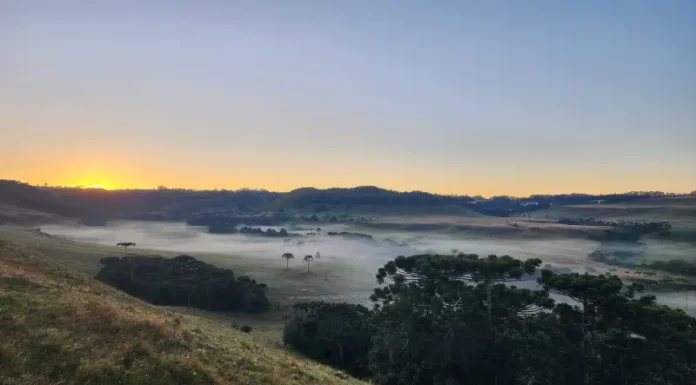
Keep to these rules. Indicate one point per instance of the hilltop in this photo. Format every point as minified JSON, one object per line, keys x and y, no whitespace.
{"x":60,"y":326}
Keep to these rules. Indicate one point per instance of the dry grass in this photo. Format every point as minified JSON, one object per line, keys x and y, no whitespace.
{"x":61,"y":327}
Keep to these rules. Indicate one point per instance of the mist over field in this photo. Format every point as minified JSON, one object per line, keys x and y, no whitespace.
{"x":346,"y":267}
{"x":181,"y":238}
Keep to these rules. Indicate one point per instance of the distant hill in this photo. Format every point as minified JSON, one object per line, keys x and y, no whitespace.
{"x":61,"y":327}
{"x":180,"y":204}
{"x":24,"y":196}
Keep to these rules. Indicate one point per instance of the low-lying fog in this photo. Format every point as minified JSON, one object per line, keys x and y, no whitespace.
{"x":358,"y":259}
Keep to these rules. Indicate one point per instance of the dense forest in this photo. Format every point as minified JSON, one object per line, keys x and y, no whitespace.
{"x":458,"y":319}
{"x":184,"y":281}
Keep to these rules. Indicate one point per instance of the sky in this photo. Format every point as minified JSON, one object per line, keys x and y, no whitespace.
{"x":453,"y":97}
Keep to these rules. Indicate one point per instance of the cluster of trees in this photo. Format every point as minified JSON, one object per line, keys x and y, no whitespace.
{"x":455,"y":319}
{"x":337,"y":334}
{"x":662,"y":227}
{"x":346,"y":234}
{"x":222,"y":228}
{"x":675,"y":266}
{"x":267,"y":233}
{"x":621,"y":245}
{"x":627,"y":231}
{"x":184,"y":281}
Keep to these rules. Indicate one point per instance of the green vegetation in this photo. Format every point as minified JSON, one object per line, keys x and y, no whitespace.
{"x":346,"y":234}
{"x":222,"y":228}
{"x":675,"y":266}
{"x":60,"y":327}
{"x":184,"y":281}
{"x":268,"y":233}
{"x":336,"y":334}
{"x":454,"y":319}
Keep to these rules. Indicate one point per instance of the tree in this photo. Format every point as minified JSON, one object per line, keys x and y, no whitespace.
{"x":456,"y":319}
{"x":467,"y":268}
{"x":287,"y":257}
{"x":446,"y":319}
{"x":620,"y":339}
{"x":308,"y":258}
{"x":125,"y":245}
{"x":317,"y":255}
{"x":338,"y":334}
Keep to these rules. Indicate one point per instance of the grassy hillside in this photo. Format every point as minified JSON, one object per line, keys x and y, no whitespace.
{"x":61,"y":327}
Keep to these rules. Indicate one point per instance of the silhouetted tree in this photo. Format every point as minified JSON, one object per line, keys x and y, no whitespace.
{"x":287,"y":257}
{"x":125,"y":245}
{"x":308,"y":258}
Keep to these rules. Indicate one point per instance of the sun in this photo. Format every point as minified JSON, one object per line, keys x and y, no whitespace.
{"x":96,"y":185}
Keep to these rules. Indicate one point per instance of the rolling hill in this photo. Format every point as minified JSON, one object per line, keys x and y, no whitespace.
{"x":61,"y":327}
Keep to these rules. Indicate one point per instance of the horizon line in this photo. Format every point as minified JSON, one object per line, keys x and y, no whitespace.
{"x":164,"y":188}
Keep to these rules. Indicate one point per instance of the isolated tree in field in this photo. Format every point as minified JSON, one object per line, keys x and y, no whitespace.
{"x":308,"y":258}
{"x":317,"y":256}
{"x":125,"y":245}
{"x":287,"y":257}
{"x":299,"y":243}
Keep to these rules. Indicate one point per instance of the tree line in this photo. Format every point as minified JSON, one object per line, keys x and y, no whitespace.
{"x":458,"y":319}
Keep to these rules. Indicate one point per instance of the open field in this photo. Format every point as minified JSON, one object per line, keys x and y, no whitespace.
{"x":679,"y":212}
{"x":515,"y":227}
{"x":60,"y":326}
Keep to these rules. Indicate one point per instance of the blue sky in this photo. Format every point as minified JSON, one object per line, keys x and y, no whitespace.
{"x":494,"y":97}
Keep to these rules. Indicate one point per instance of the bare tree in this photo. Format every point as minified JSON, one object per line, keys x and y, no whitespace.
{"x":308,"y":258}
{"x":287,"y":257}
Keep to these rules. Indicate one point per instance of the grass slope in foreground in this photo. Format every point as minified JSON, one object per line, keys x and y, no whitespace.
{"x":61,"y":327}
